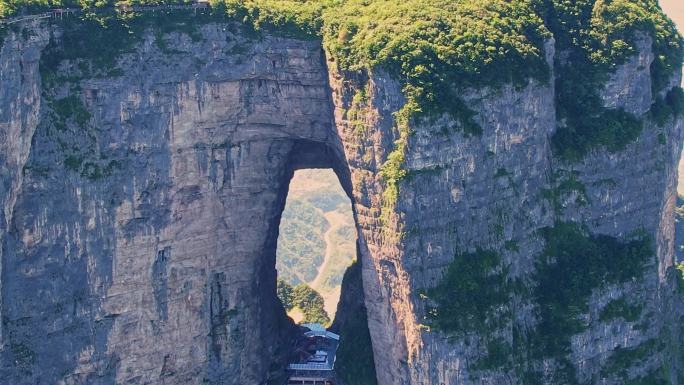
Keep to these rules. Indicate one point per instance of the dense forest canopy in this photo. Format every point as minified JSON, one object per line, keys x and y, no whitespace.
{"x":417,"y":37}
{"x":435,"y":48}
{"x":306,"y":299}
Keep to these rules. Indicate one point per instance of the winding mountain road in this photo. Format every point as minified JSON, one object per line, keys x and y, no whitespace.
{"x":336,"y":220}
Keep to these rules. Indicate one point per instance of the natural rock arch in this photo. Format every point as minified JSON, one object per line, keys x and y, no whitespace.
{"x":164,"y":212}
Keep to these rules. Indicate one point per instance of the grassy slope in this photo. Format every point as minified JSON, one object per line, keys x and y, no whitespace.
{"x":300,"y":243}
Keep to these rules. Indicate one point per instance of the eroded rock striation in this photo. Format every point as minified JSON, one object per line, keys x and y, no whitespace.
{"x":141,"y":203}
{"x":500,"y":192}
{"x":139,"y":242}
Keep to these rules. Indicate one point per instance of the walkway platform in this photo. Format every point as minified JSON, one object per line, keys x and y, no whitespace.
{"x":314,"y":355}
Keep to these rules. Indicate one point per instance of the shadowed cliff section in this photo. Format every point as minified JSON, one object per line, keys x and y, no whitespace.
{"x":355,"y":363}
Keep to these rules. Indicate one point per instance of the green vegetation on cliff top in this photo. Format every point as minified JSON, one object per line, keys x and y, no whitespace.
{"x":593,"y":37}
{"x":435,"y":45}
{"x":436,"y":48}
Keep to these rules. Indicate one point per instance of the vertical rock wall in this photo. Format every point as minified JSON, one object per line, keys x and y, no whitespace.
{"x":452,"y":200}
{"x":496,"y":191}
{"x":19,"y":115}
{"x":139,"y":244}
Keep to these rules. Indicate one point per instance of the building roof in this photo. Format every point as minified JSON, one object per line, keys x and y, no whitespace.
{"x":314,"y":326}
{"x":324,"y":357}
{"x":317,"y":330}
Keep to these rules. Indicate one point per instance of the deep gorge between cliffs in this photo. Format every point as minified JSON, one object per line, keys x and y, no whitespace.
{"x":354,"y":362}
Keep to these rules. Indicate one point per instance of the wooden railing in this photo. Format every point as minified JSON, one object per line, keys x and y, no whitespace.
{"x":61,"y":12}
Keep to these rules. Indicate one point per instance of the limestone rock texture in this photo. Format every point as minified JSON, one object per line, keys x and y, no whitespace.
{"x":139,"y":247}
{"x":140,"y":213}
{"x":465,"y":193}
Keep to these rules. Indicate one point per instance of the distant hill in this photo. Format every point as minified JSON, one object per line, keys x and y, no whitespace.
{"x":675,"y":10}
{"x":300,"y":244}
{"x":317,"y":240}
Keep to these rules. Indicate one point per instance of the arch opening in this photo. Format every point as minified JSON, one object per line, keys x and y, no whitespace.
{"x":317,"y":268}
{"x":316,"y":245}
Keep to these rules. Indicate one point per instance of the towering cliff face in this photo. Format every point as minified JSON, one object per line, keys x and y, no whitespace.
{"x":141,"y":205}
{"x":453,"y":200}
{"x":141,"y":211}
{"x":500,"y":192}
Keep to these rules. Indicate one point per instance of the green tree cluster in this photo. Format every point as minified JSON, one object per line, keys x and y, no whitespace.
{"x":306,"y":299}
{"x":472,"y":289}
{"x":284,"y":292}
{"x":593,"y":37}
